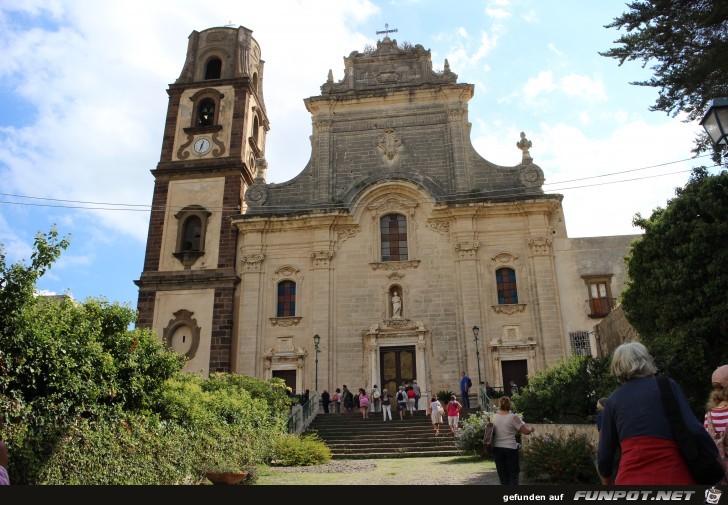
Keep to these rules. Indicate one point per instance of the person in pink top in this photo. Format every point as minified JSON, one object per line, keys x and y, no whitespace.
{"x":716,"y":415}
{"x":453,"y":414}
{"x":4,"y":478}
{"x":363,"y":403}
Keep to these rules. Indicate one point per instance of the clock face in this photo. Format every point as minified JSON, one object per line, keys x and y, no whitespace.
{"x":202,"y":145}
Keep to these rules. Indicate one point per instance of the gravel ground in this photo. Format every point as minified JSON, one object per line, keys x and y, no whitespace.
{"x":429,"y":471}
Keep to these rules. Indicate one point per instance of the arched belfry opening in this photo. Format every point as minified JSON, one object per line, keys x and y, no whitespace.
{"x":213,"y":69}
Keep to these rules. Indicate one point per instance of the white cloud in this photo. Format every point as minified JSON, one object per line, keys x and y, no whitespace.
{"x":589,"y":88}
{"x":539,"y":85}
{"x":497,"y":13}
{"x":555,"y":50}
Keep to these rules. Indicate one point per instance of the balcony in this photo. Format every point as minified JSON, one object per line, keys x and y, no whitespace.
{"x":600,"y":307}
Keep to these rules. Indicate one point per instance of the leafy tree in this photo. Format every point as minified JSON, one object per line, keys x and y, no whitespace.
{"x":687,"y":40}
{"x":567,"y":392}
{"x":60,"y":358}
{"x":677,"y":293}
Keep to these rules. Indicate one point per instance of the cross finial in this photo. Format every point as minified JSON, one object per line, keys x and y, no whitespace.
{"x":230,"y":24}
{"x":386,"y":30}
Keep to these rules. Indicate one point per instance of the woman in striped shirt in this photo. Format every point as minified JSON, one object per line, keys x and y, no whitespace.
{"x":717,"y":406}
{"x":716,"y":416}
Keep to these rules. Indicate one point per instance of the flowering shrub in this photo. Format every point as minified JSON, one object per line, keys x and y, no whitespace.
{"x":556,"y":460}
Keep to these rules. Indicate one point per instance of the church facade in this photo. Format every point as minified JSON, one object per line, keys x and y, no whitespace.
{"x":406,"y":253}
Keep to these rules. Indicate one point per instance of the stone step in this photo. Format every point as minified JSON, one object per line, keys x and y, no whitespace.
{"x":350,"y":436}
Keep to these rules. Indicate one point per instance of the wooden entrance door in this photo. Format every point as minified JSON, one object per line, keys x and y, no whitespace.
{"x":289,"y":376}
{"x":397,"y":365}
{"x":516,"y":370}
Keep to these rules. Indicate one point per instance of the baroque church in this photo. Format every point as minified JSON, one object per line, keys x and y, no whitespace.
{"x":397,"y":253}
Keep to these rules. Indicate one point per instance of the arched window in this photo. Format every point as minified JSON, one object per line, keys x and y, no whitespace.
{"x":286,"y":299}
{"x":393,"y":229}
{"x":191,"y":234}
{"x":206,"y":112}
{"x":255,"y":129}
{"x":505,"y":279}
{"x":213,"y":69}
{"x":191,"y":229}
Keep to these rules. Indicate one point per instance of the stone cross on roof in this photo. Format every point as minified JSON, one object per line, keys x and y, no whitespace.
{"x":386,"y":30}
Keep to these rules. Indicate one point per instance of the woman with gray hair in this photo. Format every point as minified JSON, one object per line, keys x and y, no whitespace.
{"x":635,"y":419}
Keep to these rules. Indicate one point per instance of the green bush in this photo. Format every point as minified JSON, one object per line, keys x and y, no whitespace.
{"x":566,"y":393}
{"x":305,"y":450}
{"x":472,"y":430}
{"x":557,"y":460}
{"x":444,"y":397}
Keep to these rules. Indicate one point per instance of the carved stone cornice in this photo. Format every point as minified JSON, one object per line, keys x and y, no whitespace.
{"x":509,"y":309}
{"x":394,"y":265}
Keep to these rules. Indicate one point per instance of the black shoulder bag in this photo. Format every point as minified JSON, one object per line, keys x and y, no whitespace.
{"x":700,"y":458}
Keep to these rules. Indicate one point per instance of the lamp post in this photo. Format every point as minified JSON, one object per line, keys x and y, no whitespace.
{"x":715,"y":121}
{"x":316,"y":341}
{"x":476,"y":331}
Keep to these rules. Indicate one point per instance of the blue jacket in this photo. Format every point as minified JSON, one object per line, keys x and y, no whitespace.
{"x":635,"y":410}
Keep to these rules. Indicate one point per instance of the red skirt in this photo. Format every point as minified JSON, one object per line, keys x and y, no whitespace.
{"x":649,"y":461}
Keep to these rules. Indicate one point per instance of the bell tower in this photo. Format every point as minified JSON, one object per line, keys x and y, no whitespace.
{"x":214,"y":133}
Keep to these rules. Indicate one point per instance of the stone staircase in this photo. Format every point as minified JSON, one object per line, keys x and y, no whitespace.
{"x":349,"y":436}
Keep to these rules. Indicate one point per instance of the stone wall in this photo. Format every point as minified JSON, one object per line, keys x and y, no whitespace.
{"x":614,"y":330}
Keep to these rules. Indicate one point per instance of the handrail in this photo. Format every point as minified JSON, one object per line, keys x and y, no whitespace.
{"x":302,"y":415}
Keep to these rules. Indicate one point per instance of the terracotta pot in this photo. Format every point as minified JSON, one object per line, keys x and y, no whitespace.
{"x":229,"y":478}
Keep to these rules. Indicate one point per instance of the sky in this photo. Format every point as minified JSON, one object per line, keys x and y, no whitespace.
{"x":83,"y":102}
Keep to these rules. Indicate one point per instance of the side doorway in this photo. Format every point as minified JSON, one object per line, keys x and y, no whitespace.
{"x":516,"y":371}
{"x":288,"y":376}
{"x":397,"y":365}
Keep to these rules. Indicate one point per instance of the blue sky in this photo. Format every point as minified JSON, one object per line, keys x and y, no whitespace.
{"x":83,"y":100}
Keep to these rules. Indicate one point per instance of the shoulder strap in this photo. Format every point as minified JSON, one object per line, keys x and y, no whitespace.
{"x":679,"y":430}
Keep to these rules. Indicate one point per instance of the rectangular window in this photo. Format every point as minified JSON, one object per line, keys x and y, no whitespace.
{"x":286,"y":299}
{"x":600,"y":301}
{"x":393,"y":231}
{"x":580,"y":345}
{"x":505,"y":279}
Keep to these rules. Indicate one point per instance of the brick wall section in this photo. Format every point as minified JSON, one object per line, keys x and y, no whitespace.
{"x":145,"y":309}
{"x":156,"y":226}
{"x":228,"y":233}
{"x":239,"y":124}
{"x":170,"y":123}
{"x":222,"y":330}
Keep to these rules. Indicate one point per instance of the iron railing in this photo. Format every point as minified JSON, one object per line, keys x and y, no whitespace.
{"x":302,"y":415}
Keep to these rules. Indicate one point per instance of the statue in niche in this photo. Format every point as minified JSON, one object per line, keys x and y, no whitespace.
{"x":396,"y":306}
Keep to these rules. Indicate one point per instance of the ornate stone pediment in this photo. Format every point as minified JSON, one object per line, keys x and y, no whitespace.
{"x":285,"y":321}
{"x":509,"y":309}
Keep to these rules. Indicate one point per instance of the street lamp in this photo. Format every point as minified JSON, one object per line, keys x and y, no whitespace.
{"x":715,"y":121}
{"x":316,"y":341}
{"x":476,"y":331}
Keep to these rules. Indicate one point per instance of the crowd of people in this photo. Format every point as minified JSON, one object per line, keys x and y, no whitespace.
{"x":407,"y":398}
{"x":636,"y":442}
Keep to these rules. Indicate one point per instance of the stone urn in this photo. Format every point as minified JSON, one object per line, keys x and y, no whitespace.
{"x":226,"y":478}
